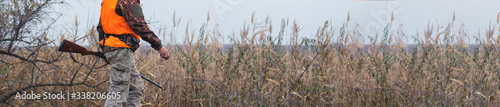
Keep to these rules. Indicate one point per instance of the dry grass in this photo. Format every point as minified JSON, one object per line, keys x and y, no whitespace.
{"x":257,"y":70}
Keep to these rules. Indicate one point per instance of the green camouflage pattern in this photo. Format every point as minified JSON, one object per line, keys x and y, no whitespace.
{"x":124,"y":78}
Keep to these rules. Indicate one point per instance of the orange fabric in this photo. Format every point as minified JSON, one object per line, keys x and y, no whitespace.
{"x":115,"y":42}
{"x":113,"y":23}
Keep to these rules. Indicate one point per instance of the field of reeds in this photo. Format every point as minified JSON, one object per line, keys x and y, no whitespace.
{"x":331,"y":68}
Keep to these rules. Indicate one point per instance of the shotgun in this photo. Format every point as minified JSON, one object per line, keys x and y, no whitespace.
{"x":71,"y":47}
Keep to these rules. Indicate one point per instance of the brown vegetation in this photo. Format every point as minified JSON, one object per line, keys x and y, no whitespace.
{"x":257,"y":70}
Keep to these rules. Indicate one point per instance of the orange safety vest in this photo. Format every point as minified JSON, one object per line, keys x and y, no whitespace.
{"x":114,"y":24}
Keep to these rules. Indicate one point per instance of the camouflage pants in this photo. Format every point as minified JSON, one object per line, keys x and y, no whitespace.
{"x":124,"y":78}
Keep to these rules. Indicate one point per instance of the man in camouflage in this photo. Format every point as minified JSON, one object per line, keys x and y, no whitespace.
{"x":125,"y":79}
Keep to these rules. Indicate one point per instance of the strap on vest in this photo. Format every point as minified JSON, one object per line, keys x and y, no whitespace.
{"x":103,"y":43}
{"x":131,"y":41}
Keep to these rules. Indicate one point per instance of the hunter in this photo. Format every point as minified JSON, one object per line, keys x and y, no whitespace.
{"x":121,"y":26}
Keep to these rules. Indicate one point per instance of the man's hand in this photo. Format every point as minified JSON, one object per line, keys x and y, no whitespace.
{"x":164,"y":53}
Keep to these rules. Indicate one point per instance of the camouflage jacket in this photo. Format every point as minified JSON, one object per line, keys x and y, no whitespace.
{"x":137,"y":24}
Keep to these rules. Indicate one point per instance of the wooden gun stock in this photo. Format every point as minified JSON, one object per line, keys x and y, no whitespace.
{"x":68,"y":46}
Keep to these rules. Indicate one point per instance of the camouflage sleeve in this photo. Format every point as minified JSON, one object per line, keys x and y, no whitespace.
{"x":100,"y":30}
{"x":131,"y":11}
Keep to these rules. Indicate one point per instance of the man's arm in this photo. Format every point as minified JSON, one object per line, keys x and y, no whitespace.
{"x":100,"y":30}
{"x":132,"y":12}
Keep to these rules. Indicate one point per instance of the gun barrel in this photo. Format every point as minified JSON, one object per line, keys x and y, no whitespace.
{"x":147,"y":79}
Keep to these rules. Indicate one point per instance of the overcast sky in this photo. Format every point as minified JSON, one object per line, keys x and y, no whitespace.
{"x":309,"y":14}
